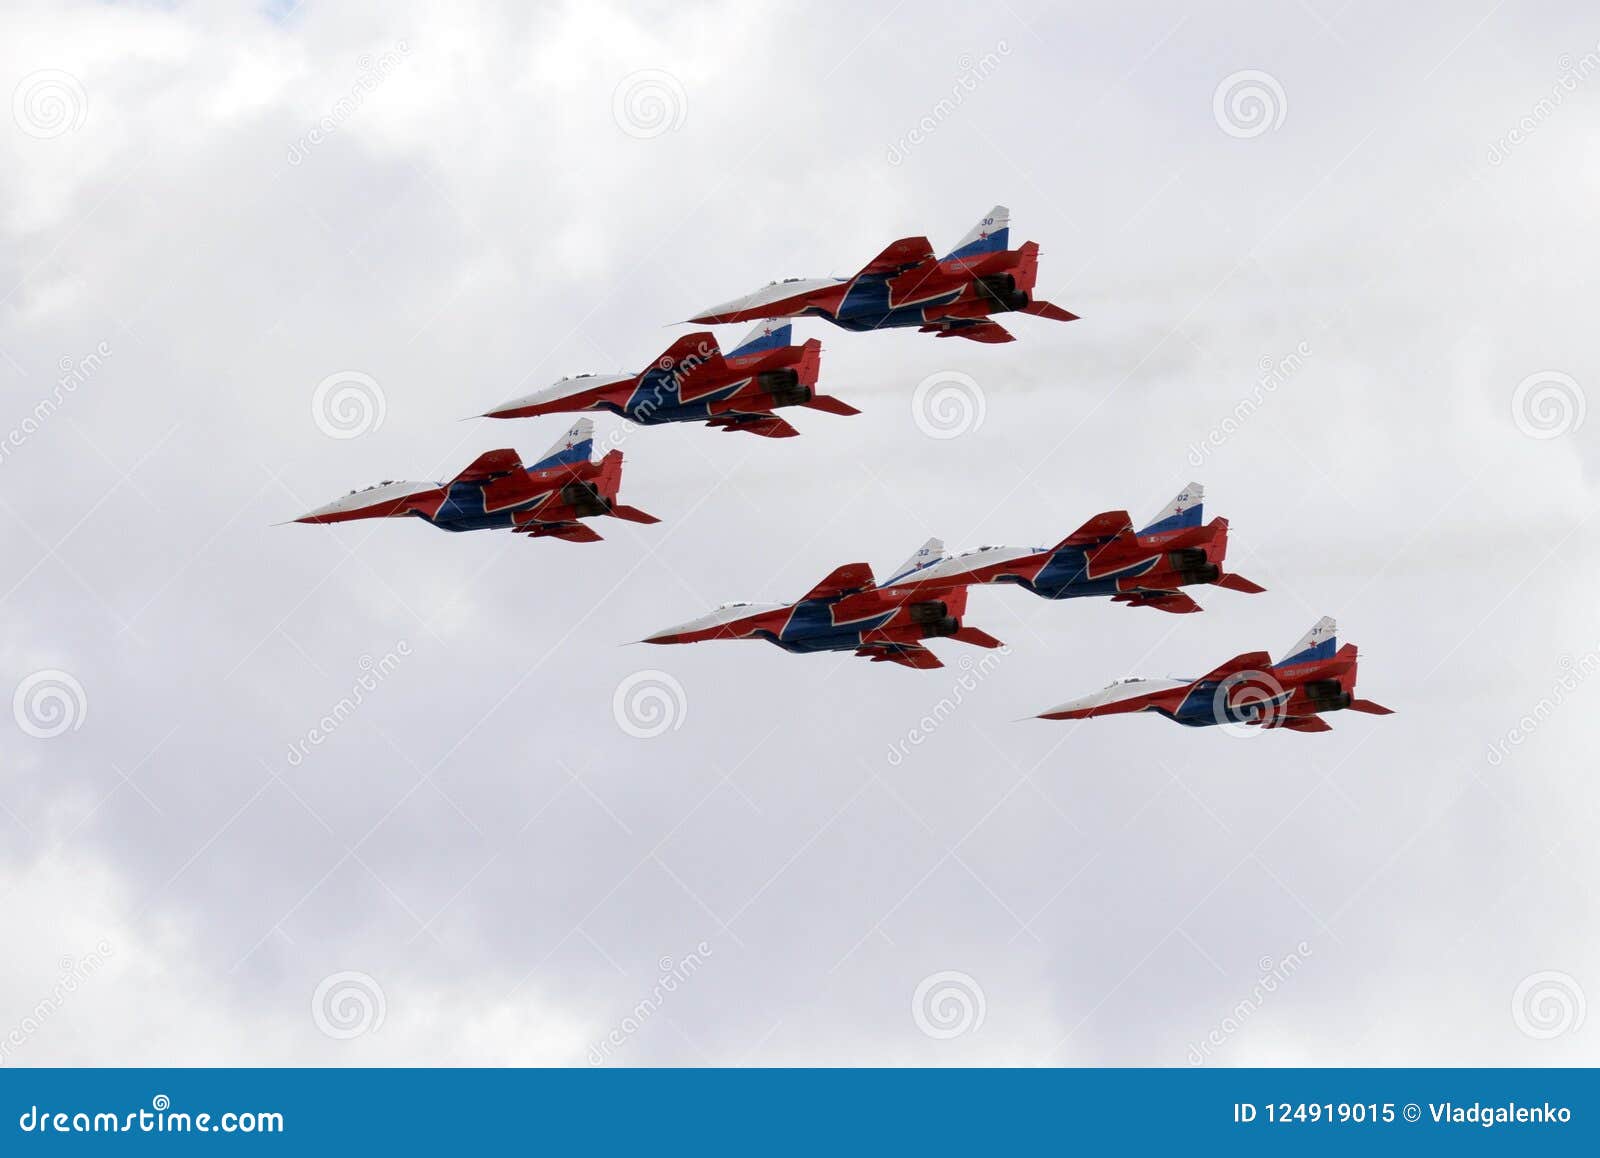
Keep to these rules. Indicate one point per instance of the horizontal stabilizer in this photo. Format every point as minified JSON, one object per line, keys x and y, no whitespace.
{"x":844,"y":580}
{"x":976,"y":636}
{"x":830,"y":404}
{"x":1238,"y":583}
{"x":1048,"y":310}
{"x":632,"y":514}
{"x":1370,"y":708}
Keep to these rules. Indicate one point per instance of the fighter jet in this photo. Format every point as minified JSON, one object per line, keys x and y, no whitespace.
{"x":906,"y":285}
{"x":1316,"y":676}
{"x":1104,"y":557}
{"x":844,"y":612}
{"x":547,"y":498}
{"x":693,"y":381}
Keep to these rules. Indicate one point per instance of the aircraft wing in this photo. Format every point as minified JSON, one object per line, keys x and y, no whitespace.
{"x":1304,"y":724}
{"x":844,"y":580}
{"x":572,"y":532}
{"x":764,"y":423}
{"x":1249,"y":661}
{"x":904,"y":254}
{"x":1175,"y":602}
{"x":687,"y":353}
{"x":490,"y":464}
{"x":1103,"y":527}
{"x":974,"y":329}
{"x":905,"y":654}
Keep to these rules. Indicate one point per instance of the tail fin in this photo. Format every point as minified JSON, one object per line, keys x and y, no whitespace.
{"x":772,"y":334}
{"x":574,"y":446}
{"x":1321,"y":642}
{"x":1187,"y":509}
{"x":926,"y":555}
{"x":990,"y":235}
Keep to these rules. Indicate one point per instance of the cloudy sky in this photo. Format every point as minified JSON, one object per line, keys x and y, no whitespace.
{"x":209,"y":211}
